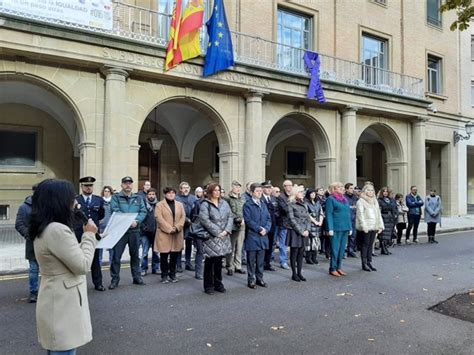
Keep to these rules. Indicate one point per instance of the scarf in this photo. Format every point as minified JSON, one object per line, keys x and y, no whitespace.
{"x":107,"y":199}
{"x":339,"y":197}
{"x":150,"y":205}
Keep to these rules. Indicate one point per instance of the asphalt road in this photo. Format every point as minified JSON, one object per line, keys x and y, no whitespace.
{"x":382,"y":312}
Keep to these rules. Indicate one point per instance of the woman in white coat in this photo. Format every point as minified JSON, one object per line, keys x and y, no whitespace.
{"x":369,"y":223}
{"x":62,"y":312}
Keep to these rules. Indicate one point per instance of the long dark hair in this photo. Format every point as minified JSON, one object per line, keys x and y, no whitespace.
{"x":52,"y":202}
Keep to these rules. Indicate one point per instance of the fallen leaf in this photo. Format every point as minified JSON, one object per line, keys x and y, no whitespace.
{"x":189,"y":329}
{"x":357,"y":315}
{"x":439,"y":279}
{"x":325,"y":315}
{"x":371,"y":339}
{"x":425,"y":289}
{"x":280,"y":327}
{"x":344,"y":294}
{"x":382,"y":293}
{"x":402,"y":321}
{"x":209,"y":345}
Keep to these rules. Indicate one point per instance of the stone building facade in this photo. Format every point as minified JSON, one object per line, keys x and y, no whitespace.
{"x":77,"y":100}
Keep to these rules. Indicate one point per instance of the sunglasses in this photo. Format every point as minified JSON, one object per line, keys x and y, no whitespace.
{"x":88,"y":185}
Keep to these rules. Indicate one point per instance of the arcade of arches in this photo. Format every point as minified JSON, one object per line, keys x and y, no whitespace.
{"x":50,"y":135}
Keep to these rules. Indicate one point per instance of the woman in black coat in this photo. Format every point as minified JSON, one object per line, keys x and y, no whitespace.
{"x":298,"y":237}
{"x":316,"y":215}
{"x":321,"y":196}
{"x":389,"y":211}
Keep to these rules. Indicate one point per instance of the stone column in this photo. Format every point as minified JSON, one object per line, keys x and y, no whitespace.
{"x":227,"y":168}
{"x":115,"y":151}
{"x":254,"y":145}
{"x":348,"y":163}
{"x":323,"y":171}
{"x":87,"y":159}
{"x":418,"y":156}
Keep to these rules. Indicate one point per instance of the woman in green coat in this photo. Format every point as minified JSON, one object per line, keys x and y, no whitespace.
{"x":338,"y":216}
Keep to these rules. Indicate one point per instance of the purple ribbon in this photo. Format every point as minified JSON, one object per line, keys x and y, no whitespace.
{"x":315,"y":90}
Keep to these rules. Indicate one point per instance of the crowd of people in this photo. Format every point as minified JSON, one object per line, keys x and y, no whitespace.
{"x":241,"y":229}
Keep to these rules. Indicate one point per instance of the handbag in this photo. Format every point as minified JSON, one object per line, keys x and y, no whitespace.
{"x":199,"y":232}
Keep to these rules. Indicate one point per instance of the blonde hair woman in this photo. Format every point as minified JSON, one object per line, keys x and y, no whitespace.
{"x":298,"y":237}
{"x":369,"y":223}
{"x":339,"y":224}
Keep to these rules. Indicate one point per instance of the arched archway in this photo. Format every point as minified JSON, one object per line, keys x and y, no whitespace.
{"x":298,"y":148}
{"x":380,"y":158}
{"x":195,"y":144}
{"x":41,"y":131}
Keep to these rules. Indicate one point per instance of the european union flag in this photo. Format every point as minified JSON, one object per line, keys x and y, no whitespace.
{"x":219,"y":54}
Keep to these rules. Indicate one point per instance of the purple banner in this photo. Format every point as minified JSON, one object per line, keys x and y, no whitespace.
{"x":315,"y":90}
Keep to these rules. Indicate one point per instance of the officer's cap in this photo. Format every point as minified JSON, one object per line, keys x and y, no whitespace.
{"x":267,"y":183}
{"x":87,"y":180}
{"x":127,"y":179}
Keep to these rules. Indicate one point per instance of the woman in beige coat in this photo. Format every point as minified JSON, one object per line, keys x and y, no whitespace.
{"x":62,"y":312}
{"x":369,"y":223}
{"x":169,"y":240}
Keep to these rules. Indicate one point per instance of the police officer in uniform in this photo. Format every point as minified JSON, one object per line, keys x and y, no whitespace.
{"x":272,"y":206}
{"x":92,"y":207}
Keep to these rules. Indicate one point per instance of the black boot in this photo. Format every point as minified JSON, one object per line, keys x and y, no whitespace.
{"x":308,"y":258}
{"x":364,"y":265}
{"x":433,"y":240}
{"x":314,"y":257}
{"x":369,"y":264}
{"x":383,"y":248}
{"x":294,"y":276}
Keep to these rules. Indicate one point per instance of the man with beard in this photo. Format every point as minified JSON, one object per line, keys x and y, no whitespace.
{"x":188,"y":201}
{"x":148,"y":231}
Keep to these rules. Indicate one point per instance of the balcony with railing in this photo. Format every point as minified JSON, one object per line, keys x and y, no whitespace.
{"x":152,"y":27}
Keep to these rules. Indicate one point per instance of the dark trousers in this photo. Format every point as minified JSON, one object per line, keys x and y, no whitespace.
{"x":400,"y":227}
{"x":188,"y":250}
{"x":255,"y":261}
{"x":213,"y":273}
{"x":351,"y":240}
{"x":431,"y":229}
{"x":168,"y":264}
{"x":413,"y":222}
{"x":367,"y":244}
{"x":133,"y":241}
{"x":325,"y":244}
{"x":296,"y":260}
{"x":269,"y":251}
{"x":199,"y":256}
{"x":96,"y":271}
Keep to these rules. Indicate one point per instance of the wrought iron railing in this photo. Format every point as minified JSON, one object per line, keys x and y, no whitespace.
{"x":149,"y":26}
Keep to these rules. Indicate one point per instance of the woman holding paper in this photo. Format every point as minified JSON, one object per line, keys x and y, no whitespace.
{"x":62,"y":312}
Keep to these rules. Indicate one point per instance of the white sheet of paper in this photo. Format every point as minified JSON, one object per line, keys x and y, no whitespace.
{"x":118,"y":225}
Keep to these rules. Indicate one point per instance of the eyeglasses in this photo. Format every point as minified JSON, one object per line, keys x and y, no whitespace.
{"x":87,"y":185}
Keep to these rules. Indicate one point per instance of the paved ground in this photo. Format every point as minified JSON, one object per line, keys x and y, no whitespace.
{"x":380,"y":312}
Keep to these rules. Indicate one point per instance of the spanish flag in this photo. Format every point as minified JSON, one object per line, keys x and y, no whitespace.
{"x":185,"y":41}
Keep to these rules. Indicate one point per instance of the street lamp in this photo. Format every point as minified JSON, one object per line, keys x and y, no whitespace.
{"x":458,"y":136}
{"x":155,"y":144}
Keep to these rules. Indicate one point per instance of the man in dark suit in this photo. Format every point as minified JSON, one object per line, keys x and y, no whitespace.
{"x":272,"y":206}
{"x":93,"y":207}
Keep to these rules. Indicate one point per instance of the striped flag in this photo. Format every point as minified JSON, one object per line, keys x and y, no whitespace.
{"x":174,"y":33}
{"x":185,"y":34}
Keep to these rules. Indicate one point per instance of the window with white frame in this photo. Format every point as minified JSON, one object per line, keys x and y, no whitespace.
{"x":472,"y":47}
{"x":433,"y":14}
{"x":166,"y":7}
{"x":374,"y":59}
{"x":293,"y":34}
{"x":434,"y":74}
{"x":472,"y":93}
{"x":18,"y":148}
{"x":4,"y":212}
